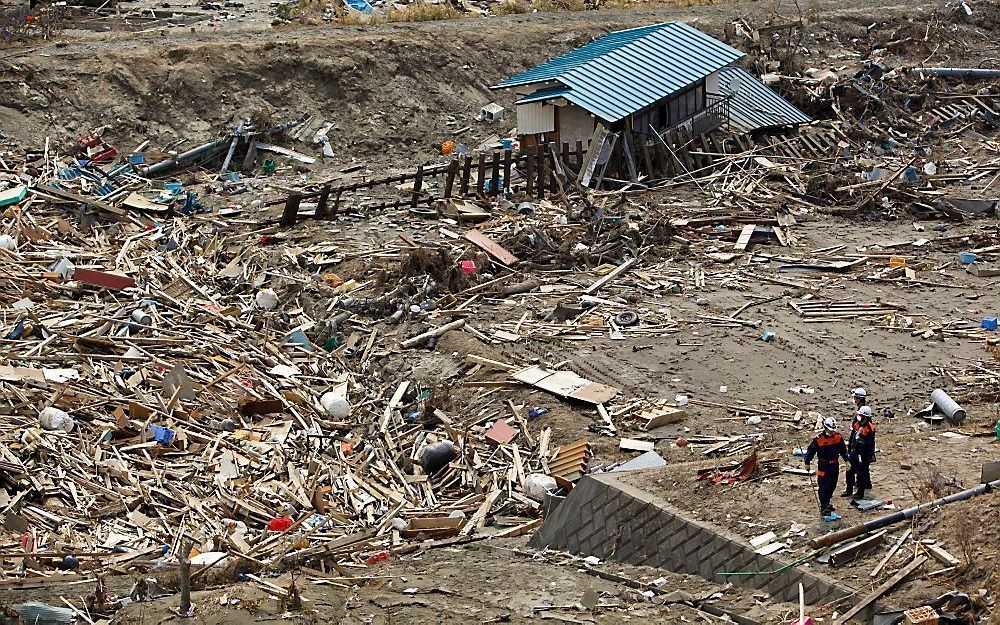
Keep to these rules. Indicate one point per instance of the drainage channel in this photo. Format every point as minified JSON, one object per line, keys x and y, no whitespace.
{"x":613,"y":520}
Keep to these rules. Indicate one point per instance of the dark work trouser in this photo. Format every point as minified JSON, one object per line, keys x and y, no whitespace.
{"x":852,"y":473}
{"x":859,"y":474}
{"x":826,"y":481}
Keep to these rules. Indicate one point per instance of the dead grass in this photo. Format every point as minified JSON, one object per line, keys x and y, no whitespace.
{"x":423,"y":13}
{"x":625,"y":4}
{"x":511,"y":7}
{"x":548,"y":6}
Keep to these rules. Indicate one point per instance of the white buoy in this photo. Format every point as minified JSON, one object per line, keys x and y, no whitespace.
{"x":267,"y":299}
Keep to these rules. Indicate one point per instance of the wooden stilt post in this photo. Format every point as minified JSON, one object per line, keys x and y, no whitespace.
{"x":529,"y":170}
{"x":506,"y":170}
{"x":543,"y":171}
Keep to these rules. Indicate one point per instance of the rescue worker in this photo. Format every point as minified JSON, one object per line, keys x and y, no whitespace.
{"x":828,"y":447}
{"x":861,"y":451}
{"x":860,"y":397}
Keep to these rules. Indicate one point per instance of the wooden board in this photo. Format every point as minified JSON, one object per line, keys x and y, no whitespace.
{"x":745,"y":235}
{"x":487,"y":244}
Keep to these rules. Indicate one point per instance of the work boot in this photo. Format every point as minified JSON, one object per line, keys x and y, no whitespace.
{"x":846,"y":493}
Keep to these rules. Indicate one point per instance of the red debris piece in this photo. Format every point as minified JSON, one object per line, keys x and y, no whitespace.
{"x":103,"y":278}
{"x":731,"y":474}
{"x":93,"y":148}
{"x":280,"y":524}
{"x":500,"y":434}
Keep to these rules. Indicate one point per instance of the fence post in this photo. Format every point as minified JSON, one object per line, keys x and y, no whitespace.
{"x":466,"y":170}
{"x":481,"y":175}
{"x":449,"y":183}
{"x":321,"y":205}
{"x":418,"y":184}
{"x":495,"y":174}
{"x":291,"y":211}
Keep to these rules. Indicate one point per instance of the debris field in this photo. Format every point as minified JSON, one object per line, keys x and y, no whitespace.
{"x":282,"y":357}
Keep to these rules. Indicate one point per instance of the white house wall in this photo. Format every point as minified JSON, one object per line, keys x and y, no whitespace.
{"x":575,"y":124}
{"x":535,"y":118}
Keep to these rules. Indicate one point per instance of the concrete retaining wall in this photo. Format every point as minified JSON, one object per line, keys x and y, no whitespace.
{"x":613,"y":520}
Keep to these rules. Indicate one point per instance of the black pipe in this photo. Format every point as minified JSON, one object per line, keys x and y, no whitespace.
{"x":180,"y":159}
{"x":890,"y":519}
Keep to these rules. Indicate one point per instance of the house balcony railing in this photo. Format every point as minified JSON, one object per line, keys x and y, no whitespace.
{"x":715,"y":115}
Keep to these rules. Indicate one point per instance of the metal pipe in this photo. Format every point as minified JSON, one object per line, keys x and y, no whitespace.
{"x":948,"y":406}
{"x":180,"y":159}
{"x":959,"y":72}
{"x":851,"y":532}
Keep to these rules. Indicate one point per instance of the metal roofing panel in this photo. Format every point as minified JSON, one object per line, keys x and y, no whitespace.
{"x":627,"y":71}
{"x":544,"y":94}
{"x":754,"y":105}
{"x":574,"y":58}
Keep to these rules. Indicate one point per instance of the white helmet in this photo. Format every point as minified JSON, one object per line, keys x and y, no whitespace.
{"x":865,"y":411}
{"x":860,"y":393}
{"x":830,"y":423}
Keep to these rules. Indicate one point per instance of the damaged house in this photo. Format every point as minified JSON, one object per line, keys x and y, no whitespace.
{"x":641,"y":92}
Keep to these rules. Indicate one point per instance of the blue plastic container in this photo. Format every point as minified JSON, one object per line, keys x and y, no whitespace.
{"x":967,"y":258}
{"x":989,"y":323}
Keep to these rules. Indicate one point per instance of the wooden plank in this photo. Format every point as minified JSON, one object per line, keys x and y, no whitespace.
{"x":902,"y":574}
{"x":492,"y":248}
{"x":892,"y":552}
{"x":745,"y":235}
{"x":617,"y":271}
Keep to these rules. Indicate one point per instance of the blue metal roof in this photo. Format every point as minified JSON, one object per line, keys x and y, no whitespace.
{"x":545,"y":94}
{"x":754,"y":105}
{"x":627,"y":71}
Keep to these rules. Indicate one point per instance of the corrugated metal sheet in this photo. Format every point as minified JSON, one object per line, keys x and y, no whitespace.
{"x":754,"y":105}
{"x":627,"y":71}
{"x":544,"y":94}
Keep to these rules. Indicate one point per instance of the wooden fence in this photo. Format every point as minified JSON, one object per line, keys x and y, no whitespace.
{"x":542,"y":169}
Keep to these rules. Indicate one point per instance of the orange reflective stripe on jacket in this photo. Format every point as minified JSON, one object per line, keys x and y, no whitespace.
{"x":834,"y":439}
